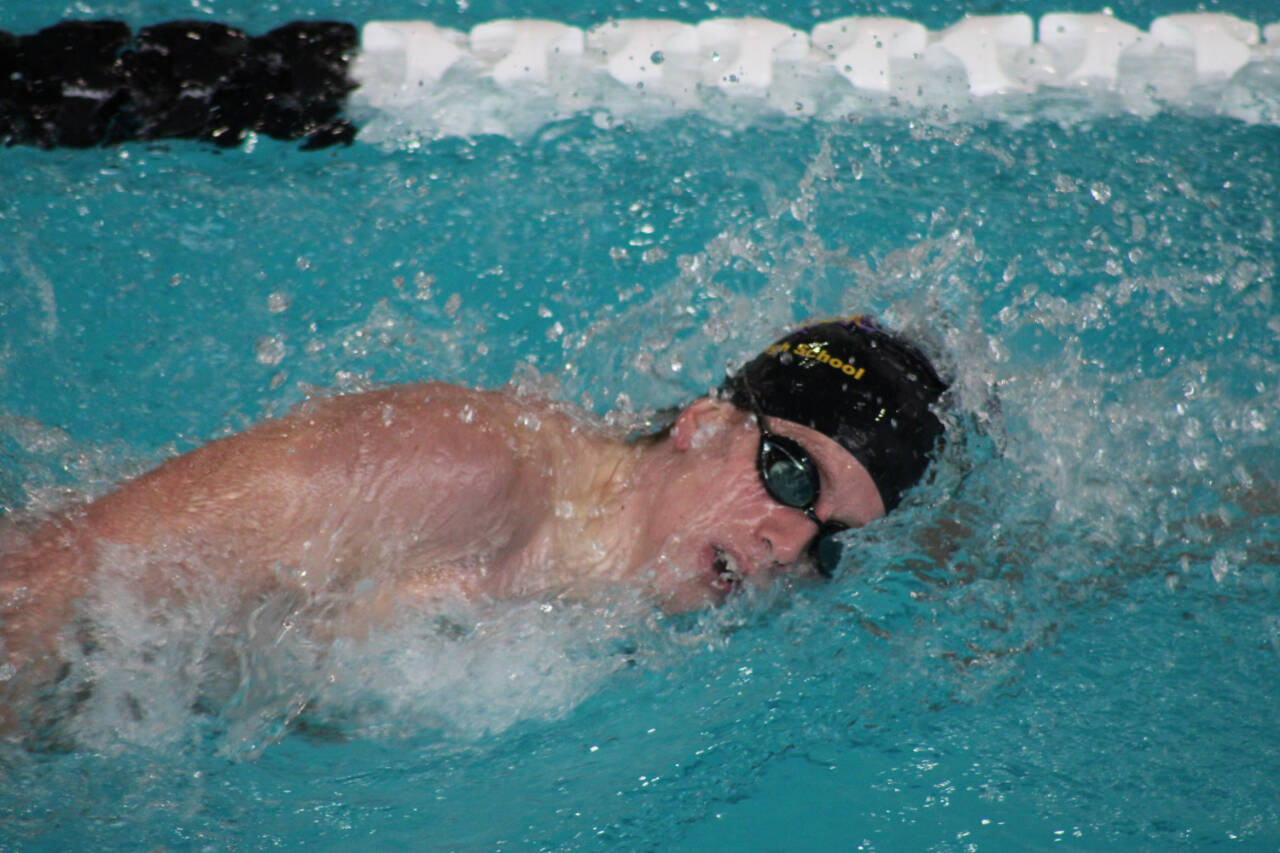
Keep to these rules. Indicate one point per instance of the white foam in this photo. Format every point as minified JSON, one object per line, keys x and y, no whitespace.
{"x":476,"y":673}
{"x":161,"y":656}
{"x":512,"y":76}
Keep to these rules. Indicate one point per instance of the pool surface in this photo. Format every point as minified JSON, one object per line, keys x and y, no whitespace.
{"x":1067,"y":639}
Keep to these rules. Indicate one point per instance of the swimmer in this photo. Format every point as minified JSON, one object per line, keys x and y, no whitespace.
{"x":432,"y":491}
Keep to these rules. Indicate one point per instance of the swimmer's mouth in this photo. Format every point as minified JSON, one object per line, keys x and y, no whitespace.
{"x":726,"y":573}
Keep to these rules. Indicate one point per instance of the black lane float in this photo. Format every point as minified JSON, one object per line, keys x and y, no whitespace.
{"x":87,"y":83}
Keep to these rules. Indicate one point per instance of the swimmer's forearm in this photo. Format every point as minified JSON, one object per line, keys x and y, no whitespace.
{"x":42,"y":573}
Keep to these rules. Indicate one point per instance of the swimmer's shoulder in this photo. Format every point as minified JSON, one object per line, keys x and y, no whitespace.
{"x":427,"y":408}
{"x":432,"y":428}
{"x":421,"y":402}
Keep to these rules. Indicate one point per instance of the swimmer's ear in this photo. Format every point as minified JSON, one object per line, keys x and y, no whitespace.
{"x":699,"y":415}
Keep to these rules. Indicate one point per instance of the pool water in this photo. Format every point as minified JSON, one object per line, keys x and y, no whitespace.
{"x":1066,"y":640}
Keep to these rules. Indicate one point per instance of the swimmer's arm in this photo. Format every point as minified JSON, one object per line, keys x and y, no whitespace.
{"x":334,"y":482}
{"x":403,"y":480}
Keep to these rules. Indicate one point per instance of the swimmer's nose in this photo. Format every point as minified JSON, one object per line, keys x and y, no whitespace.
{"x":787,"y":532}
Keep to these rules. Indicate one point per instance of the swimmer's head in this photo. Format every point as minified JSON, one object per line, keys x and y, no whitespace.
{"x":866,"y":388}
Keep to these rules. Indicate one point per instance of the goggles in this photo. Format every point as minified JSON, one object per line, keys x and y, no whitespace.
{"x":790,"y":477}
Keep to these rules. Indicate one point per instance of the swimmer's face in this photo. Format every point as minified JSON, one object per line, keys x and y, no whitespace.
{"x":718,"y":529}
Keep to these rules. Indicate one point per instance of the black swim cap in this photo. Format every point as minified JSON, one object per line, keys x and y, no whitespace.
{"x":866,"y":388}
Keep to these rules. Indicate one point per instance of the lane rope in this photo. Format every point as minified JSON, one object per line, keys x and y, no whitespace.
{"x":89,"y":83}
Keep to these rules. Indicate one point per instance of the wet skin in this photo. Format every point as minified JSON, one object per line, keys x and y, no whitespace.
{"x":429,"y":492}
{"x":721,"y":528}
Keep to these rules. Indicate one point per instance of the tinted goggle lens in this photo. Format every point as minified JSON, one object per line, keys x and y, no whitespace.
{"x":788,"y":473}
{"x":791,"y":478}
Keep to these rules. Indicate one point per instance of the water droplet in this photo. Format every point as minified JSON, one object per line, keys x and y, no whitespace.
{"x":269,"y":350}
{"x":656,"y":57}
{"x":423,"y":282}
{"x":277,"y":302}
{"x":1220,"y":566}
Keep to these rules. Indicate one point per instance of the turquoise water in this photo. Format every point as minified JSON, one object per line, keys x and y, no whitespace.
{"x":1068,"y":640}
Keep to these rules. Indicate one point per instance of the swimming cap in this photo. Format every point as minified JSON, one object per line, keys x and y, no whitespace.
{"x":866,"y":388}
